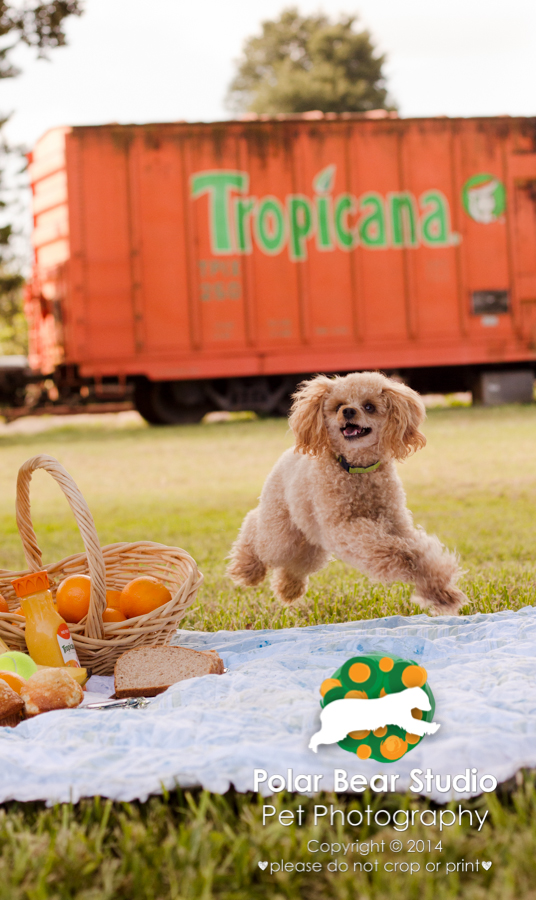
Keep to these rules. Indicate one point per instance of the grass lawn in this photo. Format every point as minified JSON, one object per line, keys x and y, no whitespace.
{"x":474,"y":485}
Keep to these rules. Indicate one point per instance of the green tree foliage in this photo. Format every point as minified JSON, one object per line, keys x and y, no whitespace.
{"x":13,"y":324}
{"x":301,"y":63}
{"x":13,"y":327}
{"x":38,"y":25}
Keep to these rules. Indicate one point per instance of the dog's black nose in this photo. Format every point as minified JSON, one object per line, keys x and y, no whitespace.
{"x":349,"y":412}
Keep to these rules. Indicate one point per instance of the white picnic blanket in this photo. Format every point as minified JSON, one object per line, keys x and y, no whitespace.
{"x":214,"y":731}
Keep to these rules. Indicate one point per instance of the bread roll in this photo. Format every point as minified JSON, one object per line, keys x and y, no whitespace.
{"x":11,"y":705}
{"x":51,"y":689}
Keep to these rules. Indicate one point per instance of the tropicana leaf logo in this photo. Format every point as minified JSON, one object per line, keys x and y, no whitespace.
{"x":323,"y":182}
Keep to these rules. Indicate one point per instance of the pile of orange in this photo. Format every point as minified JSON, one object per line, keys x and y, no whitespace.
{"x":140,"y":596}
{"x":15,"y":681}
{"x":4,"y":607}
{"x":72,"y":597}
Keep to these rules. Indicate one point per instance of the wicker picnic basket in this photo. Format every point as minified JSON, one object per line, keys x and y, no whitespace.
{"x":99,"y":644}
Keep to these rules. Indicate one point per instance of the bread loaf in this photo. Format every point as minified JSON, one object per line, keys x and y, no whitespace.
{"x":148,"y":671}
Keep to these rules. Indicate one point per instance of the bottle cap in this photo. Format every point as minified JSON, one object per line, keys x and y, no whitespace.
{"x":31,"y":584}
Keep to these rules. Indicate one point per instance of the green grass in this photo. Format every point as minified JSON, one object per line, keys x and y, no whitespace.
{"x":198,"y":845}
{"x":474,"y":485}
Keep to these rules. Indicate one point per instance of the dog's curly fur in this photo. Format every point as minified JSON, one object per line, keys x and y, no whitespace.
{"x":311,"y":508}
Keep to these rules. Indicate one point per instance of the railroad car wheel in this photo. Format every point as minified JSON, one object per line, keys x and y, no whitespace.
{"x":186,"y":402}
{"x":171,"y":402}
{"x":267,"y":396}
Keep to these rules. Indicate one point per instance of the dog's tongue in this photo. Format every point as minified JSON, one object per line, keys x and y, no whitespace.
{"x":351,"y":430}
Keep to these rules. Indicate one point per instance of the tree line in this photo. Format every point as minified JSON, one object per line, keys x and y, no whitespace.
{"x":295,"y":64}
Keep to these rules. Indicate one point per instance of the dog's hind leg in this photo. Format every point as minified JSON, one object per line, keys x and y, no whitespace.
{"x":269,"y":539}
{"x":290,"y":580}
{"x":245,"y":566}
{"x":327,"y":736}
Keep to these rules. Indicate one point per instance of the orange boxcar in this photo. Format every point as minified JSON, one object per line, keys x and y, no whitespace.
{"x":213,"y":265}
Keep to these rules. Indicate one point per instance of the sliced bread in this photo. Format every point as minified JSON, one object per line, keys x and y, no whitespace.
{"x":148,"y":671}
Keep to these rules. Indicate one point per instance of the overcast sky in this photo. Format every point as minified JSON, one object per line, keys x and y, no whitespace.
{"x":163,"y":60}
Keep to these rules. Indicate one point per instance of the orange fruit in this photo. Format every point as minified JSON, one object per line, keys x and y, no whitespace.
{"x":112,"y":599}
{"x":18,"y":611}
{"x":16,"y":682}
{"x":142,"y":595}
{"x":72,"y":597}
{"x":111,"y":614}
{"x":3,"y":604}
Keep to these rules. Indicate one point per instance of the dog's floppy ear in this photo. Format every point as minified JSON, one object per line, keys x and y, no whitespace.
{"x":405,"y":412}
{"x":307,"y":417}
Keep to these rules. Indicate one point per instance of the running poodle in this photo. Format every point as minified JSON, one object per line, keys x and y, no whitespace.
{"x":340,"y":717}
{"x":338,"y":493}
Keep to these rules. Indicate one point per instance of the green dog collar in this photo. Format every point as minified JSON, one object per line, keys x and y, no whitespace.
{"x":357,"y":470}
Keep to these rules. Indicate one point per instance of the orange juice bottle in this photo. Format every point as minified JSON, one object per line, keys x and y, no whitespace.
{"x":47,"y":636}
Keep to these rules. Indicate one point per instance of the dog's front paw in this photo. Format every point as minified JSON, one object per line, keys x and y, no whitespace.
{"x":287,"y":586}
{"x":440,"y":601}
{"x":432,"y":727}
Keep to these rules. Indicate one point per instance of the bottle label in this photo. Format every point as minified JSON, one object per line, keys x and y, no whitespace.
{"x":67,"y":648}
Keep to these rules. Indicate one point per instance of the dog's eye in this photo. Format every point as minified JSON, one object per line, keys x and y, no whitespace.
{"x":338,"y":407}
{"x":369,"y":407}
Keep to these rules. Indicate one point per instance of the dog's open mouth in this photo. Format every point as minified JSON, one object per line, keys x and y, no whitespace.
{"x":350,"y":431}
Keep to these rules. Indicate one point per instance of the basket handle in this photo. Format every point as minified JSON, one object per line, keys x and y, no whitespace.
{"x":97,"y":571}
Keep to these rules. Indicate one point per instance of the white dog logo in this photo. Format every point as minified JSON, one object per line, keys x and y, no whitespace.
{"x":343,"y":716}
